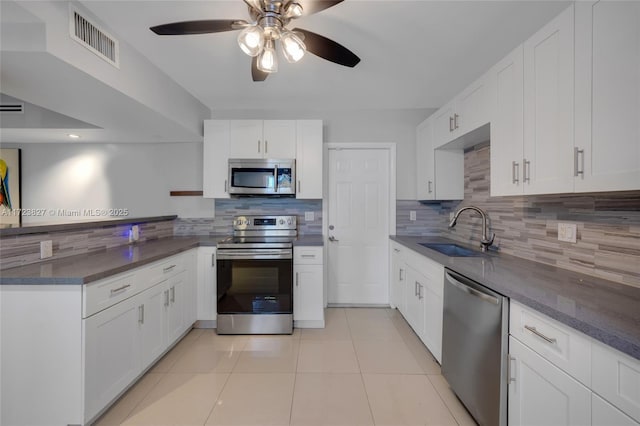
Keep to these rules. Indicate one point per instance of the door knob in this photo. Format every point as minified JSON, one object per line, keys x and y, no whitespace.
{"x":332,"y":239}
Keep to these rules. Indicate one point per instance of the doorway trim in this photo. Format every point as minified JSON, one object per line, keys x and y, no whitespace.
{"x":388,"y":146}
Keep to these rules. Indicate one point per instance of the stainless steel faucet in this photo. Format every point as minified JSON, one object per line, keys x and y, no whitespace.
{"x":485,"y":242}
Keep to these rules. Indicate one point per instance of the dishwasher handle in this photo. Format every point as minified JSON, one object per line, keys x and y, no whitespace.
{"x":470,"y":290}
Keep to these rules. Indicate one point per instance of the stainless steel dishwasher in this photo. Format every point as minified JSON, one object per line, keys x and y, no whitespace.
{"x":474,"y":347}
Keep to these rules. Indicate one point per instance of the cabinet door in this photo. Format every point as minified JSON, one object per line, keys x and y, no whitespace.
{"x":152,"y":323}
{"x":175,"y":307}
{"x":398,"y":279}
{"x":433,"y":311}
{"x":215,"y":159}
{"x":207,"y":302}
{"x":472,"y":107}
{"x":414,"y":294}
{"x":112,"y":357}
{"x":542,"y":394}
{"x":279,"y":139}
{"x":443,"y":125}
{"x":425,"y":171}
{"x":607,"y":96}
{"x":605,"y":414}
{"x":308,"y":309}
{"x":548,"y":107}
{"x":309,"y":159}
{"x":507,"y":132}
{"x":245,"y":139}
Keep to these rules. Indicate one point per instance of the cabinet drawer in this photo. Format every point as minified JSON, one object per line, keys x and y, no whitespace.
{"x":104,"y":293}
{"x":307,"y":255}
{"x":166,"y":268}
{"x":616,"y":377}
{"x":566,"y":348}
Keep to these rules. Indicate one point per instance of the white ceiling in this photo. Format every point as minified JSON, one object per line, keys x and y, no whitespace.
{"x":415,"y":54}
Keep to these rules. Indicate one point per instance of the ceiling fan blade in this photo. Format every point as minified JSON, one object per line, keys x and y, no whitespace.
{"x":328,"y":49}
{"x":256,"y":74}
{"x":199,"y":27}
{"x":314,"y":6}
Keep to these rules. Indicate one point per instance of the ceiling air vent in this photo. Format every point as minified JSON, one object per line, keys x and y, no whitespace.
{"x":94,"y":38}
{"x":16,"y":108}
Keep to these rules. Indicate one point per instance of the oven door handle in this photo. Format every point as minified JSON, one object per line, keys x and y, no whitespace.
{"x":267,"y":254}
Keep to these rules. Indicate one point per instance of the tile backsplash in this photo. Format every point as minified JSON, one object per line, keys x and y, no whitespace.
{"x":608,"y":224}
{"x":227,"y":209}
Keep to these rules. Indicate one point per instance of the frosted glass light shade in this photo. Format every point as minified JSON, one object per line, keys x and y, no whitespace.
{"x":251,"y":40}
{"x":292,"y":47}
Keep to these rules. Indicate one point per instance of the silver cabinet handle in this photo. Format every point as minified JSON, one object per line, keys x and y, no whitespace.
{"x":415,"y":288}
{"x":540,"y":335}
{"x":166,"y":298}
{"x":515,"y":172}
{"x":213,"y":259}
{"x":400,"y":277}
{"x":526,"y":171}
{"x":299,"y":186}
{"x":450,"y":124}
{"x":429,"y":189}
{"x":168,"y":268}
{"x":455,"y":121}
{"x":396,"y":250}
{"x":258,"y":145}
{"x":266,"y":146}
{"x":119,"y":289}
{"x":225,"y":185}
{"x":332,"y":239}
{"x":420,"y":295}
{"x":577,"y":170}
{"x":509,"y":378}
{"x":173,"y":294}
{"x":297,"y":279}
{"x":309,"y":256}
{"x":141,"y":314}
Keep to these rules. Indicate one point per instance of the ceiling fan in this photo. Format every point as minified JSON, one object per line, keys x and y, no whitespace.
{"x":269,"y":20}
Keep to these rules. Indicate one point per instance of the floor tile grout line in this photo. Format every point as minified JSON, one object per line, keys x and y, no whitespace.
{"x":215,"y":403}
{"x":444,"y":402}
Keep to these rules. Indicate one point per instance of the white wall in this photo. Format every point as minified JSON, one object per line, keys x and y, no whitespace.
{"x":397,"y":126}
{"x":137,"y":177}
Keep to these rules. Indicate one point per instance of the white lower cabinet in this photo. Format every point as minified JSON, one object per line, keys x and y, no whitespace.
{"x":176,"y":306}
{"x":112,"y":352}
{"x":308,"y":287}
{"x":542,"y":394}
{"x":152,"y":323}
{"x":417,"y":287}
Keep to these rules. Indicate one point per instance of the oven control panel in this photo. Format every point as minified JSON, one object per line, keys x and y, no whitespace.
{"x":264,"y":223}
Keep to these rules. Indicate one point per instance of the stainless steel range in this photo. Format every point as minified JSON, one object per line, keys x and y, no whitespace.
{"x":255,"y":276}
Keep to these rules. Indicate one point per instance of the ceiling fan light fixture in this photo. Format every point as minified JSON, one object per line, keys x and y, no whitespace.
{"x":292,"y":46}
{"x":267,"y":61}
{"x":251,"y":40}
{"x":294,"y":10}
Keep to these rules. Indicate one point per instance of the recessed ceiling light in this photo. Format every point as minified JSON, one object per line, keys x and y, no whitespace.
{"x":72,"y":136}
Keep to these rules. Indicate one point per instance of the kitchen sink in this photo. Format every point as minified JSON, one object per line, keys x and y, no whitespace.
{"x":452,"y":250}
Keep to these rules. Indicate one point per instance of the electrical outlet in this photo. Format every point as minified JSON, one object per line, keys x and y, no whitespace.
{"x":412,"y":215}
{"x":309,"y":216}
{"x":46,"y":249}
{"x":135,"y":233}
{"x":568,"y":232}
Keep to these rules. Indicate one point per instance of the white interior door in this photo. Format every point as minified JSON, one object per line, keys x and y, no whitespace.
{"x":358,"y":222}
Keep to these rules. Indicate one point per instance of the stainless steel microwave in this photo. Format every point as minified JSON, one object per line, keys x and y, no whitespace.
{"x":262,"y":177}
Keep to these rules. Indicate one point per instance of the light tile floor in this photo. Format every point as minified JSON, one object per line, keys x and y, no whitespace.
{"x":366,"y":367}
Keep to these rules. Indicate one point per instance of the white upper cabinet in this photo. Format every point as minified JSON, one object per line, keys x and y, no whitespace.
{"x":607,"y":101}
{"x":507,"y":92}
{"x":466,"y":112}
{"x":548,"y":107}
{"x":440,"y":172}
{"x":262,"y":139}
{"x":216,"y":159}
{"x":309,"y":159}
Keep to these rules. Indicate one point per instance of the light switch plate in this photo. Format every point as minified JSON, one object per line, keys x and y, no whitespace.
{"x":46,"y":249}
{"x":412,"y":215}
{"x":568,"y":232}
{"x":309,"y":216}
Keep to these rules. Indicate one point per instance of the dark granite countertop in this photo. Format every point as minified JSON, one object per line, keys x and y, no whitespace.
{"x":604,"y":310}
{"x":309,"y":240}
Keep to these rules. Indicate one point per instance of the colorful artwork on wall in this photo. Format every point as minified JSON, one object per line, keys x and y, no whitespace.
{"x":10,"y":205}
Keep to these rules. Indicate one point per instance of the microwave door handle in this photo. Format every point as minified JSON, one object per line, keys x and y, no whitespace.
{"x":276,"y":178}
